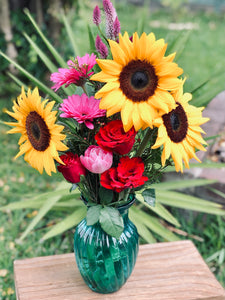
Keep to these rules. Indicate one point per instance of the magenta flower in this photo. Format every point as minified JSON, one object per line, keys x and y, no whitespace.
{"x":78,"y":72}
{"x":97,"y":160}
{"x":101,"y":47}
{"x":82,"y":109}
{"x":96,"y":15}
{"x":116,"y":27}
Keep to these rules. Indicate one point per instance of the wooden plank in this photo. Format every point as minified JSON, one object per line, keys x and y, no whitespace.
{"x":164,"y":271}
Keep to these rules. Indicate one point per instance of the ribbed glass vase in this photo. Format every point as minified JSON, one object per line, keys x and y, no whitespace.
{"x":104,"y":262}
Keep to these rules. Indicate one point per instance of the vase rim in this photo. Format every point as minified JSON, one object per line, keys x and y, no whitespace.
{"x":121,"y":207}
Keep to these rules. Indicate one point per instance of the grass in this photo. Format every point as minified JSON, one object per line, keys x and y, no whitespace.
{"x":203,"y":55}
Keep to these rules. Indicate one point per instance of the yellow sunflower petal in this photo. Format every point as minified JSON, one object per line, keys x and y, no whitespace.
{"x":108,"y":87}
{"x":103,"y":77}
{"x":177,"y":157}
{"x":166,"y":152}
{"x":110,"y":99}
{"x":137,"y":121}
{"x":126,"y":45}
{"x":169,"y":83}
{"x":109,"y":66}
{"x":117,"y":53}
{"x":126,"y":113}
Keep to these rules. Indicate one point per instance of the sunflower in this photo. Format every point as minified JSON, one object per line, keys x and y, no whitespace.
{"x":138,"y":80}
{"x":179,"y":131}
{"x":40,"y":137}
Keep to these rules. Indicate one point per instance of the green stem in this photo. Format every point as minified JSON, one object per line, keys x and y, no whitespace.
{"x":104,"y":37}
{"x":84,"y":89}
{"x":144,"y":142}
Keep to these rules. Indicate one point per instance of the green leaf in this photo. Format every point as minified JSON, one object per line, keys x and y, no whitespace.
{"x":91,"y":40}
{"x":48,"y":63}
{"x":17,"y":81}
{"x":161,"y":211}
{"x":45,"y":208}
{"x":149,"y":196}
{"x":37,"y":82}
{"x":93,"y":214}
{"x":51,"y":48}
{"x":181,"y":184}
{"x":69,"y":31}
{"x":67,"y":223}
{"x":22,"y":205}
{"x":178,"y":44}
{"x":181,"y":200}
{"x":52,"y":68}
{"x":152,"y":223}
{"x":106,"y":195}
{"x":111,"y":221}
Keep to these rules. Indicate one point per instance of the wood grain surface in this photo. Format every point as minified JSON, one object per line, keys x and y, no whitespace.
{"x":164,"y":271}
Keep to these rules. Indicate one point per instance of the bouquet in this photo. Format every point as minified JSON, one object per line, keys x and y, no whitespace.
{"x":125,"y":121}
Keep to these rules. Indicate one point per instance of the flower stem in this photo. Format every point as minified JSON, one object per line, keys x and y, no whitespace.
{"x":144,"y":142}
{"x":84,"y":89}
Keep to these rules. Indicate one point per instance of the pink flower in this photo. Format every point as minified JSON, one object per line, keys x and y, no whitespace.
{"x":110,"y":17}
{"x":96,"y":160}
{"x":78,"y":72}
{"x":82,"y":109}
{"x":101,"y":47}
{"x":96,"y":15}
{"x":116,"y":27}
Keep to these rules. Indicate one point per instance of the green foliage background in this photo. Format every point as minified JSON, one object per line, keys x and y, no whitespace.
{"x":202,"y":59}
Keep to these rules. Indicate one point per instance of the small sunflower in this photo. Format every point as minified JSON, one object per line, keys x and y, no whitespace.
{"x":179,"y":131}
{"x":40,"y":138}
{"x":138,"y":80}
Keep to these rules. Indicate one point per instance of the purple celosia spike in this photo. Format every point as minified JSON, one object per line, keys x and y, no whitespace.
{"x":96,"y":15}
{"x":110,"y":14}
{"x":101,"y":47}
{"x":116,"y":27}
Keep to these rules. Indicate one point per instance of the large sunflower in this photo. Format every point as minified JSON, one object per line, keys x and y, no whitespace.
{"x":138,"y":80}
{"x":40,"y":138}
{"x":179,"y":131}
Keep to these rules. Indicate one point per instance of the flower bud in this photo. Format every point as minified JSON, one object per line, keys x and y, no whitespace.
{"x":96,"y":160}
{"x":101,"y":47}
{"x":96,"y":15}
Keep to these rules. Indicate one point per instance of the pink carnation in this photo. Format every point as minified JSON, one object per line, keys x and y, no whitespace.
{"x":82,"y":108}
{"x":96,"y":160}
{"x":78,"y":72}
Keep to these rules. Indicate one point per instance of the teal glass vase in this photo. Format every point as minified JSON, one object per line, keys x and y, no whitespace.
{"x":105,"y":263}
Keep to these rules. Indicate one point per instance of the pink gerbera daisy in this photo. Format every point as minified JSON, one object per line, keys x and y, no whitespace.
{"x":82,"y":108}
{"x":78,"y":72}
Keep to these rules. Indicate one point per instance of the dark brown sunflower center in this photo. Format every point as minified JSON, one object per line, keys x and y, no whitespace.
{"x":176,"y":124}
{"x":37,"y":131}
{"x":138,"y":80}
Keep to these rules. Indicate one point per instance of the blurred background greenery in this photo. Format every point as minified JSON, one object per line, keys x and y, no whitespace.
{"x":198,"y":29}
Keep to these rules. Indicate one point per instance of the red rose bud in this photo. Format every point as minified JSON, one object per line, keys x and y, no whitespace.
{"x":73,"y":168}
{"x":128,"y":174}
{"x":112,"y":137}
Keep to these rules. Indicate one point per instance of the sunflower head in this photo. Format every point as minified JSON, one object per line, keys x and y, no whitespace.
{"x":41,"y":137}
{"x":138,"y":80}
{"x":179,"y":131}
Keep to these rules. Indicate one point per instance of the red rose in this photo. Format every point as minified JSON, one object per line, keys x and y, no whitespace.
{"x":112,"y":137}
{"x":128,"y":174}
{"x":73,"y":167}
